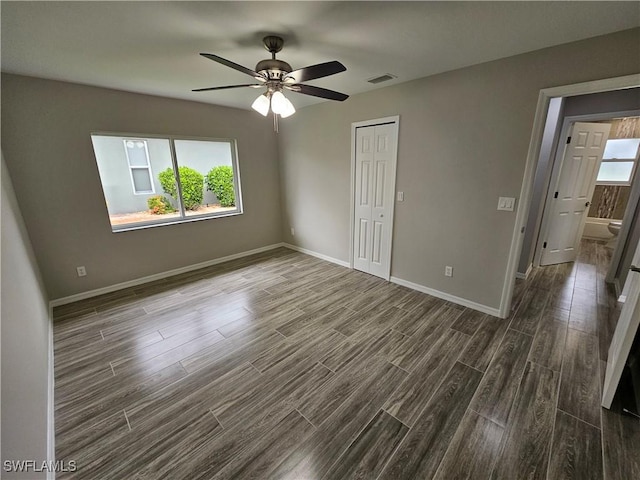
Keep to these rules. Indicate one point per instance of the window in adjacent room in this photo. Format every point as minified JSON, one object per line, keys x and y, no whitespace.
{"x":139,"y":166}
{"x":619,"y":161}
{"x":149,"y":181}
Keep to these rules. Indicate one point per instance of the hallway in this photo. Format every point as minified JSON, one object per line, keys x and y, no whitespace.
{"x":579,"y":315}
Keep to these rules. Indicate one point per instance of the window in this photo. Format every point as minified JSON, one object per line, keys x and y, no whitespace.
{"x":140,"y":168}
{"x":149,"y":181}
{"x":618,"y":161}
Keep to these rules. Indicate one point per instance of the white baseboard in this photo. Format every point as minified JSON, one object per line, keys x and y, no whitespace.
{"x":158,"y":276}
{"x":525,"y":275}
{"x":414,"y":286}
{"x":446,"y":296}
{"x":150,"y":278}
{"x":51,"y":425}
{"x":321,"y":256}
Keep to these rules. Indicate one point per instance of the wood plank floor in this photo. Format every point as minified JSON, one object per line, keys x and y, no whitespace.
{"x":284,"y":366}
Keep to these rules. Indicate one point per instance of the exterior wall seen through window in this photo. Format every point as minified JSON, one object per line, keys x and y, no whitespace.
{"x":149,"y":181}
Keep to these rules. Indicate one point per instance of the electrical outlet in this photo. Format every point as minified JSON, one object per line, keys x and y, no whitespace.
{"x":448,"y":271}
{"x":82,"y":272}
{"x":293,"y":232}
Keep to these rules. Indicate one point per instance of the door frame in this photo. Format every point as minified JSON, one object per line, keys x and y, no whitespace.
{"x":395,"y":120}
{"x":625,"y":230}
{"x":545,"y":223}
{"x":544,"y":97}
{"x":622,"y":340}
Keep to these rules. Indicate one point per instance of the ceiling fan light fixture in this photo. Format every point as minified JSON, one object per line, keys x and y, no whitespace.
{"x":281,"y":105}
{"x":261,"y":105}
{"x":289,"y":111}
{"x":275,"y":75}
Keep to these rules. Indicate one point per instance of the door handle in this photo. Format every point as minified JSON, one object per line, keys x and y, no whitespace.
{"x":587,"y":204}
{"x":381,"y":215}
{"x":633,"y":268}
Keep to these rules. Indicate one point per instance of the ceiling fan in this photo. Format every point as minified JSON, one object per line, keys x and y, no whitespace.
{"x":277,"y":75}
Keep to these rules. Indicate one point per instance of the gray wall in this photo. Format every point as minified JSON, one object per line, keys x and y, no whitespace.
{"x":25,"y":341}
{"x":463,"y":142}
{"x":605,"y":102}
{"x":46,"y":128}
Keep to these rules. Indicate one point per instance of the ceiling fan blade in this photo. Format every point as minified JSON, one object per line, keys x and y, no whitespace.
{"x":235,"y":66}
{"x":315,"y":71}
{"x":226,"y":87}
{"x":317,"y":92}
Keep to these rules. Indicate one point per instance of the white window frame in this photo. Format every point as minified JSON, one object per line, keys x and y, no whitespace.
{"x":620,"y":160}
{"x":146,"y":167}
{"x":183,"y":218}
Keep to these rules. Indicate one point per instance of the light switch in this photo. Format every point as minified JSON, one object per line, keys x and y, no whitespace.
{"x":506,"y":203}
{"x":401,"y":196}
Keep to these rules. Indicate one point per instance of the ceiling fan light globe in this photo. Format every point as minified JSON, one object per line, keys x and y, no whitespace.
{"x":281,"y":105}
{"x":278,"y":102}
{"x":288,"y":109}
{"x":261,"y":105}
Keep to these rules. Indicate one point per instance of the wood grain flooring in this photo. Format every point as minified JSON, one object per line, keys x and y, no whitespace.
{"x":284,"y":366}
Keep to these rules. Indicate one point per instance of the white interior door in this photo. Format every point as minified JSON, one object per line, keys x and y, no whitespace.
{"x":572,"y":195}
{"x":375,"y":162}
{"x":624,"y":334}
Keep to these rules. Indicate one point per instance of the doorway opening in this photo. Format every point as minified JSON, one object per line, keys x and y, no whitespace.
{"x":534,"y":156}
{"x":592,"y":200}
{"x":584,"y":317}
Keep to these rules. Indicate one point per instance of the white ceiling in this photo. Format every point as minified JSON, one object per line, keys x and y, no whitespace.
{"x":152,"y":47}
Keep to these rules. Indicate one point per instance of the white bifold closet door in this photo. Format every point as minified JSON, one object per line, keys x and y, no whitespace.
{"x":374,"y":197}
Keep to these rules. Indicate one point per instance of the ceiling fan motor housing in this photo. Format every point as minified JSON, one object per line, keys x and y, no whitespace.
{"x":273,"y":68}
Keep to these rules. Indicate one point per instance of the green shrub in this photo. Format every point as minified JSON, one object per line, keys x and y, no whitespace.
{"x":159,"y":205}
{"x":168,"y":182}
{"x":191,"y":181}
{"x":220,"y":181}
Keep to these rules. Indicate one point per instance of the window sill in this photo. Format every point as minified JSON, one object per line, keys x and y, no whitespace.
{"x":194,"y":218}
{"x":614,"y":184}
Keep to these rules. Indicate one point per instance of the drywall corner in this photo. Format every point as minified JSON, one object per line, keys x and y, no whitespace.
{"x":26,"y":407}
